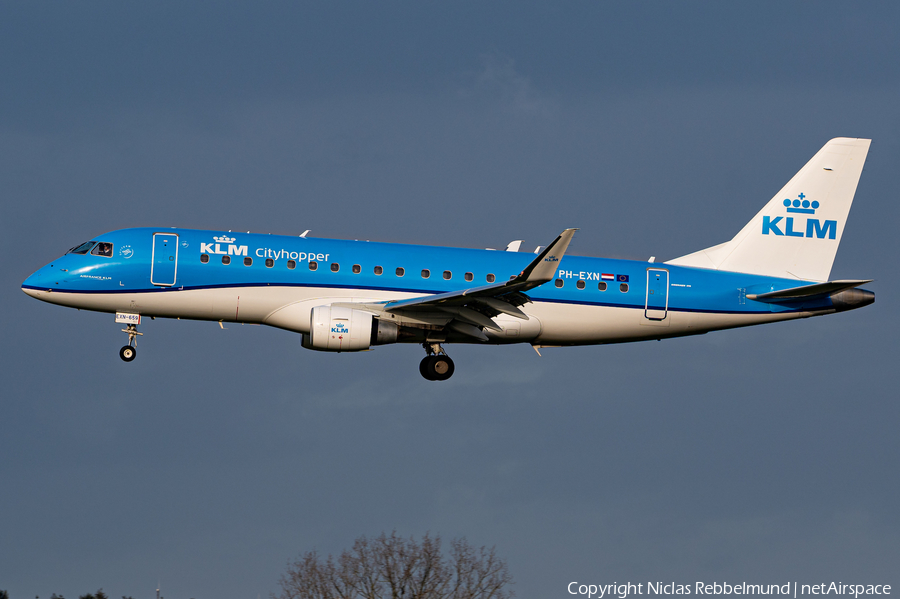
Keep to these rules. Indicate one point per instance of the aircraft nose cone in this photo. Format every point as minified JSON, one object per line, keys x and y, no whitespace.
{"x":39,"y":282}
{"x":31,"y":284}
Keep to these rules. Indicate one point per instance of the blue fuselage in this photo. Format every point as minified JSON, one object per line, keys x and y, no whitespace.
{"x":194,"y":260}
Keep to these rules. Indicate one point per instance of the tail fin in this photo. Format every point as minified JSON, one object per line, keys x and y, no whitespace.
{"x":797,"y":234}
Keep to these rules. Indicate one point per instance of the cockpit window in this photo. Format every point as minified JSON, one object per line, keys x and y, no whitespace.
{"x":103,"y":248}
{"x":84,"y":248}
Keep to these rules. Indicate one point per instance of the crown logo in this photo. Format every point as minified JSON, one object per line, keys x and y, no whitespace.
{"x":224,"y":239}
{"x":801,"y":205}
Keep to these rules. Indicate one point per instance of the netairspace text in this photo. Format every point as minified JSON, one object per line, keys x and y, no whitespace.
{"x":791,"y":589}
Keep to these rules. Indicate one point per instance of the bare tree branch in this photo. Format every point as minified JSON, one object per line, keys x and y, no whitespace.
{"x":391,"y":567}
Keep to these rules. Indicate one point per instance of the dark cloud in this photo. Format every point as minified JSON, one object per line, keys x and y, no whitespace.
{"x":102,"y":55}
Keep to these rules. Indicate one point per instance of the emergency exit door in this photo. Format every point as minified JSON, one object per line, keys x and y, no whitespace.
{"x":164,"y":262}
{"x":657,"y":303}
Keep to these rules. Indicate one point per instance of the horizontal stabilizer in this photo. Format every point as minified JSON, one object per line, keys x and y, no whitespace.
{"x":807,"y":291}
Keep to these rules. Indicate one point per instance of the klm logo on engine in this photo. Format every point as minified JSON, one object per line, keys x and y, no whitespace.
{"x":791,"y":228}
{"x":224,"y":240}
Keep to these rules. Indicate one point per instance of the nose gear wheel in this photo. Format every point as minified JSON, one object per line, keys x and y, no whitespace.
{"x":129,"y":352}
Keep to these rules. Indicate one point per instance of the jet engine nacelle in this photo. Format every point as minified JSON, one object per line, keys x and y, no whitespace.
{"x":337,"y":328}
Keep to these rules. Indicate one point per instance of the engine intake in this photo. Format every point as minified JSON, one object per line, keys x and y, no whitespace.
{"x":337,"y":328}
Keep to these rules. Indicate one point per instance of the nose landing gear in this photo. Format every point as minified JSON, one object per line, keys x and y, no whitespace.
{"x":437,"y":365}
{"x":129,"y":352}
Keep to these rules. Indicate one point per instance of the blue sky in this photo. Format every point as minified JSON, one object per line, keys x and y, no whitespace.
{"x":766,"y":455}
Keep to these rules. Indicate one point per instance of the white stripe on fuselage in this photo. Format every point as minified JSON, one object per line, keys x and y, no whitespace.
{"x":289,"y":308}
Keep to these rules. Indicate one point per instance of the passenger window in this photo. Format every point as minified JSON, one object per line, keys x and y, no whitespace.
{"x":378,"y":270}
{"x":226,"y":259}
{"x":102,"y":249}
{"x":248,"y":261}
{"x":469,"y":276}
{"x":291,"y":265}
{"x":490,"y":278}
{"x":559,"y":282}
{"x":83,"y":248}
{"x":313,"y":265}
{"x":447,"y":275}
{"x":426,"y":273}
{"x":602,"y":286}
{"x":400,"y":271}
{"x":204,"y":258}
{"x":580,"y":284}
{"x":335,"y":267}
{"x":269,"y":263}
{"x":357,"y":269}
{"x":623,"y":287}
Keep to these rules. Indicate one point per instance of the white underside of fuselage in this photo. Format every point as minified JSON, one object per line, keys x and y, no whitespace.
{"x":549,"y":323}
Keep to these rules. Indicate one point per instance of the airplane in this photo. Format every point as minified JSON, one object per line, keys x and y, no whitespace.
{"x":348,"y":296}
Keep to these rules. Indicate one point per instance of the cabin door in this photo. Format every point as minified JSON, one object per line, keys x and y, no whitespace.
{"x":657,"y":303}
{"x":164,"y":262}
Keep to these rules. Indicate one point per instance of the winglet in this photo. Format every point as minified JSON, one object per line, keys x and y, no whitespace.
{"x":544,"y":266}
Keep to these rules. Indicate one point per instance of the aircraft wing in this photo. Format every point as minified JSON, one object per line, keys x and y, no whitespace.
{"x":537,"y":273}
{"x":468,"y":311}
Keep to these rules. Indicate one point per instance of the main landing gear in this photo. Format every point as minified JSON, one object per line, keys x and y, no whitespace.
{"x":129,"y":352}
{"x":437,"y":365}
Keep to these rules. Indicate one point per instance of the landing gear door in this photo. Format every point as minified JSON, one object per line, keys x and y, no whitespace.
{"x":657,"y":303}
{"x":164,"y":263}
